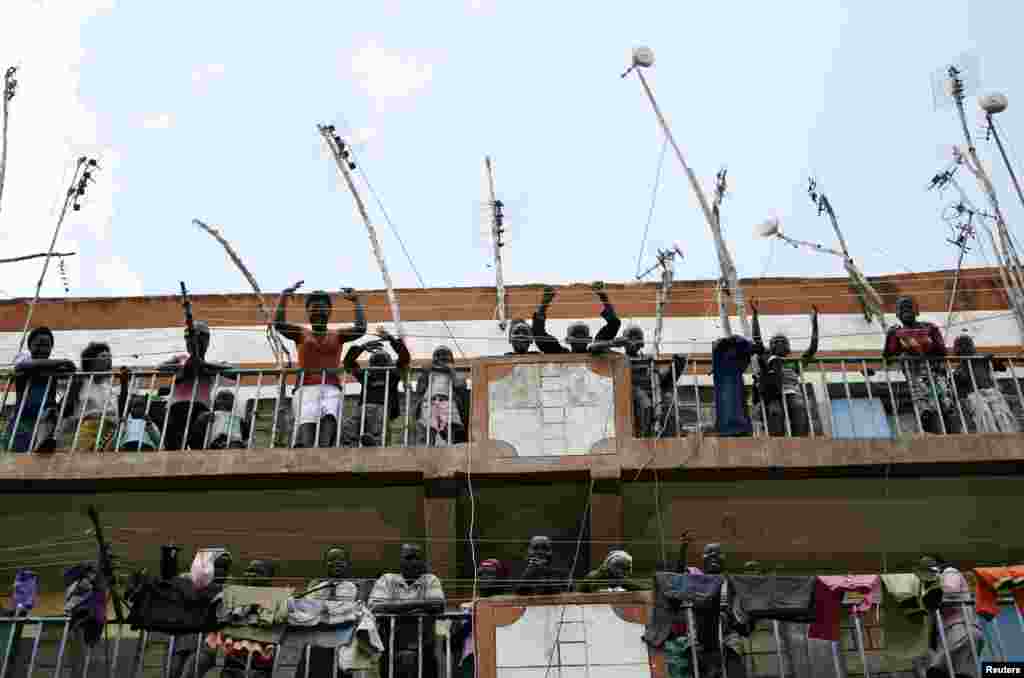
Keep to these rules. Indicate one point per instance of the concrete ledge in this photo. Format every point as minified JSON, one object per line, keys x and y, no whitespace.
{"x":678,"y":455}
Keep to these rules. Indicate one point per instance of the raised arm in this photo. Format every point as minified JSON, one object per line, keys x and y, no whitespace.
{"x":813,"y":348}
{"x":398,"y":346}
{"x":544,"y":341}
{"x":612,"y":323}
{"x":358,"y":328}
{"x":350,"y":364}
{"x":892,"y":346}
{"x":286,"y":330}
{"x":685,"y":539}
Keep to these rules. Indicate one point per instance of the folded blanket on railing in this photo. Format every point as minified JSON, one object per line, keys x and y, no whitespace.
{"x":309,"y":612}
{"x":172,"y":606}
{"x":257,"y":613}
{"x":769,"y":597}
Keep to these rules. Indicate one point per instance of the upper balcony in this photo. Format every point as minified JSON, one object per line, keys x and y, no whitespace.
{"x":511,"y":415}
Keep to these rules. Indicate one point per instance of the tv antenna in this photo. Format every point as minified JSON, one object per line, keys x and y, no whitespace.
{"x":496,"y":222}
{"x":345,"y":162}
{"x":957,"y":80}
{"x":10,"y":88}
{"x":642,"y":58}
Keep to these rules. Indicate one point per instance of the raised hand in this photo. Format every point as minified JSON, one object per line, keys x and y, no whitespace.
{"x":753,"y":306}
{"x":687,"y":537}
{"x":814,"y":311}
{"x":291,"y":290}
{"x":549,"y":295}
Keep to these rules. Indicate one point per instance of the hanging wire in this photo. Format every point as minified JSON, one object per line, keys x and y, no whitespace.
{"x":361,"y":168}
{"x":650,"y":210}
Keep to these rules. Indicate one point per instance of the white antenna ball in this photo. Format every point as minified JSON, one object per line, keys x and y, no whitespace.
{"x":643,"y":56}
{"x":993,"y":103}
{"x":768,"y":228}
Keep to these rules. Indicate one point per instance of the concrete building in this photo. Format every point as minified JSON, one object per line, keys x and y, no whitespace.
{"x":866,"y":493}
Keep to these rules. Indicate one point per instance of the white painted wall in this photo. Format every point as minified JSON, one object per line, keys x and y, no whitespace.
{"x":613,"y":648}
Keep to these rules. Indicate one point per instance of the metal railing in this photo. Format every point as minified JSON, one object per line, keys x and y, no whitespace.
{"x":30,"y":647}
{"x":152,"y":410}
{"x":164,"y":655}
{"x":853,"y":397}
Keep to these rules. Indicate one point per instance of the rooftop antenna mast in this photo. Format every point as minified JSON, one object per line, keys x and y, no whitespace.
{"x":10,"y":87}
{"x":870,"y":300}
{"x":953,"y":83}
{"x":343,"y":158}
{"x":643,"y":57}
{"x":965,"y":232}
{"x":497,"y":223}
{"x":666,"y":262}
{"x":947,"y":177}
{"x":76,"y":191}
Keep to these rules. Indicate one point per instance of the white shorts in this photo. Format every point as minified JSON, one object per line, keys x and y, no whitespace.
{"x":316,"y":402}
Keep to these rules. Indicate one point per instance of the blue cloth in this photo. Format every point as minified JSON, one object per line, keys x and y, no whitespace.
{"x":730,"y":358}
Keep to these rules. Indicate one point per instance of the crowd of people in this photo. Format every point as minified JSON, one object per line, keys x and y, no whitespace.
{"x":385,"y":626}
{"x":59,"y":406}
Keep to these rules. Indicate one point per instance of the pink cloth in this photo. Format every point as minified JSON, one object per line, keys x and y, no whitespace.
{"x":828,"y":599}
{"x":953,"y":582}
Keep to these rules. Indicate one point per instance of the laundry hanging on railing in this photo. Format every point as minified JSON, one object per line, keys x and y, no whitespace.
{"x":990,"y":582}
{"x":776,"y":598}
{"x":828,"y":597}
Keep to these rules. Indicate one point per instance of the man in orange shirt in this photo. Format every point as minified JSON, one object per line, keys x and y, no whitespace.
{"x":317,"y":400}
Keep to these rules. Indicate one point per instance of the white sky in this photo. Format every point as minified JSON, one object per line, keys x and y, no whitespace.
{"x":198,"y":109}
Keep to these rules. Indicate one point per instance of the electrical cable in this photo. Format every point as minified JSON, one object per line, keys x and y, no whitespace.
{"x":394,"y":229}
{"x":650,"y":210}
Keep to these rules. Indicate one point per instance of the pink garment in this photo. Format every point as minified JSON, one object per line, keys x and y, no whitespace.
{"x":828,"y":599}
{"x":183,"y":388}
{"x":953,"y":582}
{"x":871,"y":584}
{"x":439,"y":414}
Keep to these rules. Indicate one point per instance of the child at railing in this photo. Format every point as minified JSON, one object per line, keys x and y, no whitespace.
{"x":138,"y":431}
{"x":90,"y":409}
{"x":437,"y":389}
{"x":224,"y":429}
{"x":976,"y":384}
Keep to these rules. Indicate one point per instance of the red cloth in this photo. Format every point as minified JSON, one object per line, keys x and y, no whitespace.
{"x":828,"y":602}
{"x":986,"y":600}
{"x":925,"y":339}
{"x":827,"y":610}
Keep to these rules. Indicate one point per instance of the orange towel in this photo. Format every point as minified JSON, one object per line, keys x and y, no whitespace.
{"x":986,"y":599}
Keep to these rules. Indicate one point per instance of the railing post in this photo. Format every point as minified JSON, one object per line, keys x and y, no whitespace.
{"x":167,"y":414}
{"x":945,"y":644}
{"x":35,"y":650}
{"x":41,"y":415}
{"x":691,"y":632}
{"x":58,"y":672}
{"x":850,"y":600}
{"x":778,"y":649}
{"x":255,"y":411}
{"x":8,"y":649}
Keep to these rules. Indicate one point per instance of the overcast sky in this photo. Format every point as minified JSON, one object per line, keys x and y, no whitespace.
{"x":208,"y":110}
